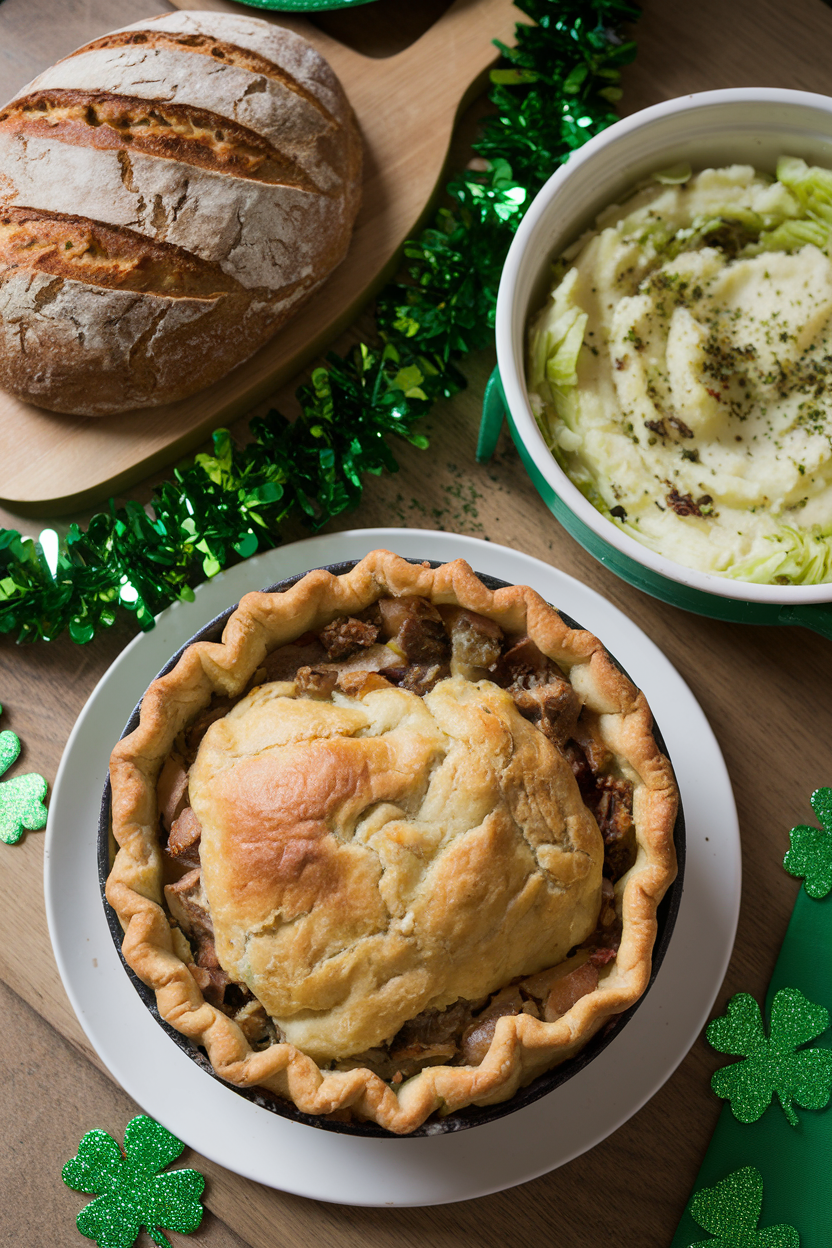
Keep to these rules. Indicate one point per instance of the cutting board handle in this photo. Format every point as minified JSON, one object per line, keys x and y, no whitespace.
{"x":482,"y":22}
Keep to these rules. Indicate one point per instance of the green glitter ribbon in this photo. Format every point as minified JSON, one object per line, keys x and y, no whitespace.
{"x":131,"y":1192}
{"x":21,"y":798}
{"x":791,"y":1151}
{"x":555,"y":91}
{"x":731,"y":1210}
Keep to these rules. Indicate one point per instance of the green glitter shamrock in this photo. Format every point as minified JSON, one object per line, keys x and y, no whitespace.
{"x":21,"y":798}
{"x":731,"y":1210}
{"x":131,"y":1193}
{"x":772,"y":1065}
{"x":810,"y":856}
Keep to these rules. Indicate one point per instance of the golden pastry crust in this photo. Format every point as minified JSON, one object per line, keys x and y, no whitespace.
{"x":368,"y":858}
{"x":387,"y":749}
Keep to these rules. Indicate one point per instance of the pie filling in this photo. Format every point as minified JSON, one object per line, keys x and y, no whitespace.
{"x":410,"y":644}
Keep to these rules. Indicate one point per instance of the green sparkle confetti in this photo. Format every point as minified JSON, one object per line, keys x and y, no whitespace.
{"x":21,"y":798}
{"x":731,"y":1212}
{"x":555,"y":93}
{"x":810,"y":856}
{"x":130,"y":1191}
{"x":772,"y":1065}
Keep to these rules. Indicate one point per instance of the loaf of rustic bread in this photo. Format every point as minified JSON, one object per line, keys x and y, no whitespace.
{"x":169,"y":195}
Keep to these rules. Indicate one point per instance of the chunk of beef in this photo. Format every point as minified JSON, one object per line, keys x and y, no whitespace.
{"x":476,"y":1039}
{"x":414,"y":627}
{"x":602,"y":945}
{"x":354,"y":675}
{"x":524,"y":666}
{"x":420,"y":678}
{"x":558,"y":988}
{"x":356,"y":683}
{"x":395,"y":675}
{"x":373,"y":659}
{"x":613,"y":812}
{"x":558,"y":712}
{"x":610,"y":799}
{"x":475,"y":640}
{"x":539,"y":985}
{"x":218,"y":709}
{"x":344,"y":637}
{"x":540,"y":690}
{"x":371,"y":615}
{"x":433,"y":1033}
{"x":588,"y":737}
{"x":186,"y":902}
{"x":183,"y":842}
{"x":284,"y":662}
{"x":568,"y":989}
{"x":581,"y":770}
{"x":212,"y":982}
{"x":315,"y":682}
{"x":172,"y":789}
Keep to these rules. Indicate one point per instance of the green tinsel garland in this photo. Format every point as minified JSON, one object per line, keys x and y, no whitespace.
{"x":555,"y":92}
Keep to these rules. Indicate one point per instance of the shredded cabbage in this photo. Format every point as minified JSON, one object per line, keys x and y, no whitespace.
{"x":675,"y":175}
{"x":790,"y":236}
{"x":554,"y":346}
{"x":778,"y":230}
{"x":567,"y":338}
{"x":812,"y":189}
{"x":801,"y":557}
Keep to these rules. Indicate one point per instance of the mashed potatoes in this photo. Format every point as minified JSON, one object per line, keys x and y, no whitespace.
{"x":681,"y":370}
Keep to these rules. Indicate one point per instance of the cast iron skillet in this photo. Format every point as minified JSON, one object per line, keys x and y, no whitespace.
{"x":471,"y":1116}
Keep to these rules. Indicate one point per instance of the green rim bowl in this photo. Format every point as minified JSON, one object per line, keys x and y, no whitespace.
{"x":302,"y":6}
{"x":744,"y":125}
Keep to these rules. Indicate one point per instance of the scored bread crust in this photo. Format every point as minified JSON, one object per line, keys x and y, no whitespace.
{"x":523,"y":1046}
{"x":218,"y":137}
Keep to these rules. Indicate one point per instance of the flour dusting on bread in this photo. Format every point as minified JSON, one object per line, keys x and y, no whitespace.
{"x":227,"y":140}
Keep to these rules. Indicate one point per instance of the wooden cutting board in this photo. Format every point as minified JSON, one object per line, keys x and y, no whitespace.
{"x":406,"y":106}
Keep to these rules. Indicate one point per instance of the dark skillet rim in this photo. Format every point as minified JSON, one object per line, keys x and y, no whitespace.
{"x":462,"y":1119}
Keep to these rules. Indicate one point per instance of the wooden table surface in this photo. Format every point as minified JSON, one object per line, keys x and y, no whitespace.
{"x":763,"y":690}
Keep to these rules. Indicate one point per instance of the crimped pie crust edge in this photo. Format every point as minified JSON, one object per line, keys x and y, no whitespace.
{"x":523,"y":1047}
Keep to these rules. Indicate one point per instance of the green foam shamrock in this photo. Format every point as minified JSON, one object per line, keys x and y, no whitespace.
{"x":772,"y":1066}
{"x":131,"y":1193}
{"x":21,"y":798}
{"x":731,"y":1210}
{"x":810,"y":856}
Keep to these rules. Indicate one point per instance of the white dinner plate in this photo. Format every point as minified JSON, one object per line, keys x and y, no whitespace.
{"x":324,"y":1165}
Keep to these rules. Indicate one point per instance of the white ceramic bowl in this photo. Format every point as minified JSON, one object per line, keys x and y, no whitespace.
{"x":748,"y":125}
